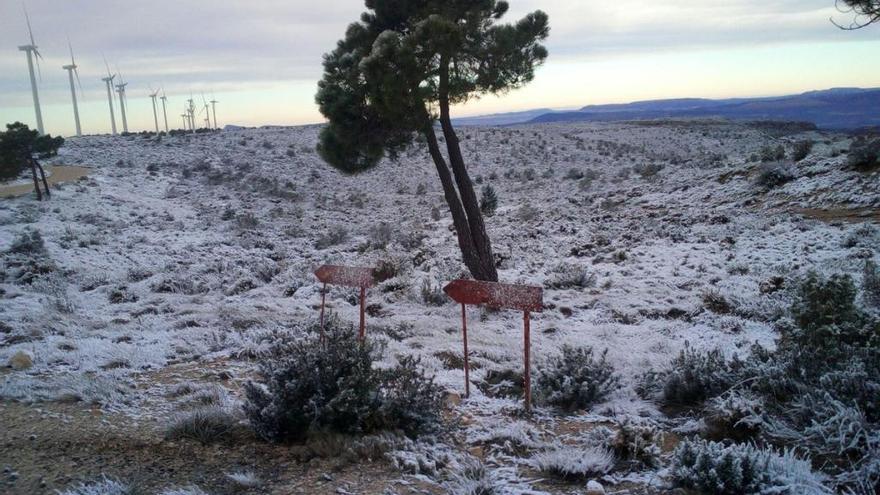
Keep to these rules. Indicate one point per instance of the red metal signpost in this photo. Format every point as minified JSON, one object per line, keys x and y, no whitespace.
{"x":495,"y":295}
{"x":347,"y":276}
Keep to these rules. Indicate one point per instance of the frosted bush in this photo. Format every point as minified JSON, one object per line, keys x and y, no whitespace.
{"x":205,"y":424}
{"x":331,"y":385}
{"x":742,"y":469}
{"x":515,"y":434}
{"x":472,"y":478}
{"x":569,"y":276}
{"x":576,"y":379}
{"x":106,"y":486}
{"x":245,"y":479}
{"x":574,"y":461}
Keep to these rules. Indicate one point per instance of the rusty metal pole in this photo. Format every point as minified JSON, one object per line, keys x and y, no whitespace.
{"x":527,"y":376}
{"x":323,"y":296}
{"x":363,"y":299}
{"x":467,"y":378}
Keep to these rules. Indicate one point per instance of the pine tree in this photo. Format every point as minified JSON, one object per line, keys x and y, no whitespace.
{"x":18,"y":145}
{"x":405,"y":60}
{"x":865,"y":11}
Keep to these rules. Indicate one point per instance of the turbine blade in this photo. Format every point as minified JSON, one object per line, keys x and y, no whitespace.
{"x":70,"y":46}
{"x":28,"y":19}
{"x":76,"y":73}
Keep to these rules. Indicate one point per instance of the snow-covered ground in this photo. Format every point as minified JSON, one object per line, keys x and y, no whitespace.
{"x":194,"y":249}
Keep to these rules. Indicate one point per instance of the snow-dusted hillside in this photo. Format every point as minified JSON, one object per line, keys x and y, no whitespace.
{"x":174,"y":261}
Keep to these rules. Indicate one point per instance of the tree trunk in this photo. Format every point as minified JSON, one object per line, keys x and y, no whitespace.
{"x":469,"y":200}
{"x":36,"y":182}
{"x":43,"y":176}
{"x":459,"y":219}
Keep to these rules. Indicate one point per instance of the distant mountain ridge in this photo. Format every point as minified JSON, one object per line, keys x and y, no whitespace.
{"x":836,"y":109}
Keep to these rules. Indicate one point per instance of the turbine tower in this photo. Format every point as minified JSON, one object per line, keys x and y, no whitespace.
{"x":183,"y":118}
{"x":164,"y":113}
{"x":32,"y":52}
{"x":207,"y":113}
{"x":71,"y":70}
{"x":109,"y":81}
{"x":153,"y":96}
{"x":191,"y":110}
{"x":120,"y":88}
{"x":214,"y":110}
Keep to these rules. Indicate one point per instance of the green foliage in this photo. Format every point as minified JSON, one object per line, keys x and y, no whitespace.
{"x":488,"y":201}
{"x":18,"y":144}
{"x":382,"y":78}
{"x":313,"y":386}
{"x":577,"y":379}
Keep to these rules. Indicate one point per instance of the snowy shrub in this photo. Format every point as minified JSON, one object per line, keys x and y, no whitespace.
{"x":120,"y":294}
{"x":694,"y":376}
{"x":574,"y":174}
{"x":380,"y":235}
{"x":512,"y":435}
{"x":715,"y":302}
{"x":772,"y":153}
{"x":827,"y":321}
{"x":106,"y":486}
{"x":864,"y":154}
{"x":772,"y":175}
{"x":246,"y":480}
{"x":569,"y":276}
{"x":637,"y":444}
{"x":742,"y":469}
{"x":190,"y":490}
{"x":335,"y":236}
{"x":471,"y":479}
{"x":569,"y":461}
{"x":576,"y":379}
{"x":433,"y":295}
{"x":205,"y":424}
{"x":801,"y":150}
{"x":310,"y":385}
{"x":54,"y":285}
{"x":488,"y":200}
{"x":648,"y":170}
{"x":30,"y":243}
{"x":138,"y":274}
{"x":27,"y":258}
{"x":247,"y":221}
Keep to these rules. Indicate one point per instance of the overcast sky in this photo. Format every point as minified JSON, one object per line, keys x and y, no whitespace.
{"x":262,"y":58}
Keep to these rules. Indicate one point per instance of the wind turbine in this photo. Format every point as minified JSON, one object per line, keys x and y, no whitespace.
{"x":109,"y":81}
{"x":153,"y":96}
{"x":191,"y":110}
{"x":32,"y":52}
{"x":164,"y":113}
{"x":207,"y":113}
{"x":183,"y":117}
{"x":71,"y":70}
{"x":214,"y":110}
{"x":120,"y":88}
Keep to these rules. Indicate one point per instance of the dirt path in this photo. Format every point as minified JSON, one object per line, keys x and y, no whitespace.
{"x":841,"y":214}
{"x":54,"y":446}
{"x":56,"y":174}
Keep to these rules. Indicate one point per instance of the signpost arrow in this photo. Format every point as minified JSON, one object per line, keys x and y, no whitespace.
{"x":520,"y":297}
{"x":347,"y":276}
